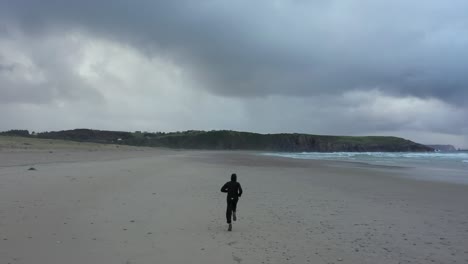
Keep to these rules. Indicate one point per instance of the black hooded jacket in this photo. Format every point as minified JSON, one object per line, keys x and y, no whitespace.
{"x":232,"y":188}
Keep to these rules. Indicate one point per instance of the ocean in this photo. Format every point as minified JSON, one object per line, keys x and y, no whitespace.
{"x":440,"y":166}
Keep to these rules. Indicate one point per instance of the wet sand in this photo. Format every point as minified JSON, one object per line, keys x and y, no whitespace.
{"x":91,"y":203}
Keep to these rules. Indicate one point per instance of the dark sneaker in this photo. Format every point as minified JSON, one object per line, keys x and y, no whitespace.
{"x":234,"y":216}
{"x":230,"y":227}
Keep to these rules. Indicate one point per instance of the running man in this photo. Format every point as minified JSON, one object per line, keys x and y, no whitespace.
{"x":234,"y":191}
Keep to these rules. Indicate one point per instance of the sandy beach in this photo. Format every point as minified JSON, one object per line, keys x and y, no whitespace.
{"x":91,"y":203}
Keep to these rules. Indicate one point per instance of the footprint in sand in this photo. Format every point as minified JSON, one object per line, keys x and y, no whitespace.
{"x":232,"y":243}
{"x":236,"y":259}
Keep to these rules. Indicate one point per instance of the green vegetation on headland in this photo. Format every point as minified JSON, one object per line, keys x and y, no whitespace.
{"x":233,"y":140}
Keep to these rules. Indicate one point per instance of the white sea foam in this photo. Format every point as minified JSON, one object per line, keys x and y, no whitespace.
{"x":387,"y":157}
{"x":319,"y":155}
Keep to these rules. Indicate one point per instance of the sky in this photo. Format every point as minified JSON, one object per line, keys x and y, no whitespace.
{"x":341,"y":67}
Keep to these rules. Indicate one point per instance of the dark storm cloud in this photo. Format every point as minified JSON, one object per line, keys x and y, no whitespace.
{"x":257,"y":48}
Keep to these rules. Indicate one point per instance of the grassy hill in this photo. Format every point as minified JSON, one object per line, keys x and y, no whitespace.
{"x":234,"y":140}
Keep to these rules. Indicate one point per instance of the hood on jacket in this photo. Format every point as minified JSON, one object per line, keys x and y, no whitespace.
{"x":233,"y":177}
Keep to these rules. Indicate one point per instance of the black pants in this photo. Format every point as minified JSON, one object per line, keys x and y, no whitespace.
{"x":231,"y":207}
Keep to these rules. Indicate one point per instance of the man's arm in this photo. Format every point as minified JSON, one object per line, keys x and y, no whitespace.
{"x":224,"y":189}
{"x":240,"y":190}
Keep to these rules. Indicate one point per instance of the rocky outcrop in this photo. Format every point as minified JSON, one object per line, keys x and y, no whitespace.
{"x":443,"y":148}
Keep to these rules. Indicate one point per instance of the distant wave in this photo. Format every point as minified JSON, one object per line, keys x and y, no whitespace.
{"x":387,"y":157}
{"x":462,"y":156}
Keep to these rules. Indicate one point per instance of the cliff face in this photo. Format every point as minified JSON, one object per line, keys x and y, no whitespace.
{"x":233,"y":140}
{"x":444,"y":148}
{"x":290,"y":142}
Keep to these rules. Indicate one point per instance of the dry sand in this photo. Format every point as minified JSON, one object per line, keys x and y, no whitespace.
{"x":90,"y":203}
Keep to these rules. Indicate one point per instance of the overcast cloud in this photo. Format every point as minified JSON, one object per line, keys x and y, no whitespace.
{"x":322,"y":67}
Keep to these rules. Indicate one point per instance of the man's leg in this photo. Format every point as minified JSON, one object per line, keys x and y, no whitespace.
{"x":228,"y":211}
{"x":234,"y":207}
